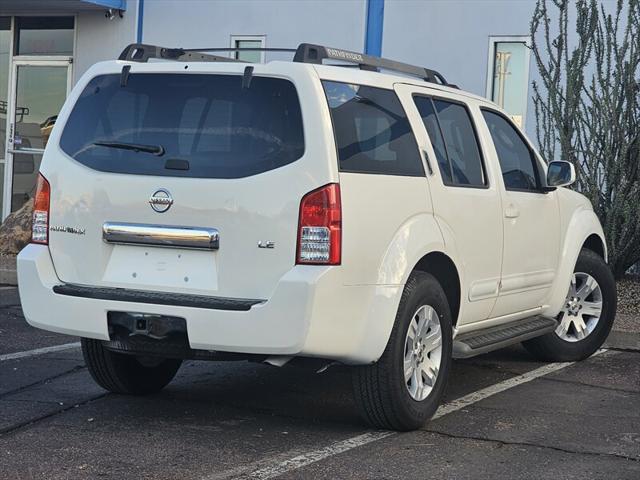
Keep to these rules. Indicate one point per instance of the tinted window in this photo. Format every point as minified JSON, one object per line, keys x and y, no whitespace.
{"x":461,"y":144}
{"x":372,"y":132}
{"x":206,"y":122}
{"x":516,"y":159}
{"x":430,"y":120}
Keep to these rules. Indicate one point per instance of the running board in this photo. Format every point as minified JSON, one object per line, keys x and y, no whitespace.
{"x":488,"y":339}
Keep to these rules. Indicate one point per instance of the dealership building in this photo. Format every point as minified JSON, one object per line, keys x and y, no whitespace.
{"x":47,"y":45}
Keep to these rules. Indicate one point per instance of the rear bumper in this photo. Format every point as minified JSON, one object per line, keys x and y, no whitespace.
{"x":310,"y":313}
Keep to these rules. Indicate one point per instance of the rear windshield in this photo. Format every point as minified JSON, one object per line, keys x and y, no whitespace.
{"x":187,"y":125}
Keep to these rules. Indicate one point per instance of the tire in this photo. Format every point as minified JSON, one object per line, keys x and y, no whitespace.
{"x":571,"y":345}
{"x":124,"y":373}
{"x":381,"y":392}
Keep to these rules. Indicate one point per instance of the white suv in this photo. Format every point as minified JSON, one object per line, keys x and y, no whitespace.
{"x":195,"y":206}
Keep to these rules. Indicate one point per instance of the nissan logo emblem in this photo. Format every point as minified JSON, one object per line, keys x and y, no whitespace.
{"x":161,"y":200}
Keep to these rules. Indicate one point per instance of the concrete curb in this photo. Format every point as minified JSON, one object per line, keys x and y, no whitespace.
{"x":8,"y":274}
{"x":623,"y":340}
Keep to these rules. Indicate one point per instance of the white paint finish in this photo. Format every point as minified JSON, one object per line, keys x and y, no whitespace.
{"x":482,"y":289}
{"x":381,"y":216}
{"x":578,"y":222}
{"x":244,"y":210}
{"x":301,"y":317}
{"x":39,"y":351}
{"x":343,"y":313}
{"x":526,"y":281}
{"x":132,"y":266}
{"x":531,"y":232}
{"x":470,"y":218}
{"x":285,"y":23}
{"x":279,"y":468}
{"x":531,"y":251}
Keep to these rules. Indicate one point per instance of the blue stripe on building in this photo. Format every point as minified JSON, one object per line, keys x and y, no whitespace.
{"x":140,"y":20}
{"x":373,"y":30}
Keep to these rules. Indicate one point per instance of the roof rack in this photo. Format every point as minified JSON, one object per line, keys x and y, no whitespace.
{"x":305,"y":53}
{"x":309,"y":53}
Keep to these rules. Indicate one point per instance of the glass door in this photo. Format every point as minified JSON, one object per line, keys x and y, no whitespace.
{"x":5,"y":67}
{"x":39,"y":89}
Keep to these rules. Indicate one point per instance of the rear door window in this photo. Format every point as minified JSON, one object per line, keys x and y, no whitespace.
{"x":372,"y":132}
{"x":461,"y":144}
{"x":454,"y":141}
{"x":430,"y":120}
{"x":189,"y":125}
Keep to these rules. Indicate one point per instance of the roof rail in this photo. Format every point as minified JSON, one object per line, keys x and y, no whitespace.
{"x":140,"y":52}
{"x":305,"y":53}
{"x":309,"y":53}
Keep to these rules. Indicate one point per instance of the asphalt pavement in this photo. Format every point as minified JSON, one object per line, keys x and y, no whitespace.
{"x":505,"y":416}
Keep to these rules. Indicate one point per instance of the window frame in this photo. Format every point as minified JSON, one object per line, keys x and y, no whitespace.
{"x":538,"y":170}
{"x":491,"y":65}
{"x":335,"y":137}
{"x":250,"y":38}
{"x":487,"y":183}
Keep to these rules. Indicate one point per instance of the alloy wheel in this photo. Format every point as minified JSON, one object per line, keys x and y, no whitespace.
{"x":422,"y":352}
{"x":582,"y":308}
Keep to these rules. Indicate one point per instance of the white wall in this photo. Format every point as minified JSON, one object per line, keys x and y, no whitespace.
{"x":98,"y":38}
{"x":286,"y":23}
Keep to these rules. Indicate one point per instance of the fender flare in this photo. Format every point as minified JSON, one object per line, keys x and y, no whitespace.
{"x":582,"y":225}
{"x":417,"y":237}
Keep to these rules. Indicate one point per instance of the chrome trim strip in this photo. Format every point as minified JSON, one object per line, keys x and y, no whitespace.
{"x":161,"y":235}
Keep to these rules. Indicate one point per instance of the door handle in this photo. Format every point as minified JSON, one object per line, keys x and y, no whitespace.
{"x":426,"y":157}
{"x":511,"y":211}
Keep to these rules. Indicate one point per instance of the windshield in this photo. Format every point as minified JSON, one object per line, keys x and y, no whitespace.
{"x":209,"y":123}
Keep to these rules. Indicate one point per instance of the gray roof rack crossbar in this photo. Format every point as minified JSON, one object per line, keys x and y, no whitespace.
{"x":305,"y":53}
{"x":139,"y":52}
{"x":309,"y":53}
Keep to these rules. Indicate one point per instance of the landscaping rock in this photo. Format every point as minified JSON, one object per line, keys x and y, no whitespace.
{"x":15,"y":232}
{"x":629,"y":295}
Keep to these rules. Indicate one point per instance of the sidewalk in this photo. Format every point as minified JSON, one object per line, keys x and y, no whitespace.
{"x":8,"y":270}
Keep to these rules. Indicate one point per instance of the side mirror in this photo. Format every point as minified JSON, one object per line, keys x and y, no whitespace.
{"x":560,"y":174}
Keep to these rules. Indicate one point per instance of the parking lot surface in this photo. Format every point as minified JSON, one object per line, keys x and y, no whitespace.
{"x":505,"y":416}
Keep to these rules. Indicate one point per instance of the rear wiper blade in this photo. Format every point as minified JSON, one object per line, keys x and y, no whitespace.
{"x":136,"y":147}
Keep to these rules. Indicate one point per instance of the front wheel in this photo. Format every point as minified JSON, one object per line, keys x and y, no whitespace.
{"x":125,"y":373}
{"x":587,"y":314}
{"x":403,"y":389}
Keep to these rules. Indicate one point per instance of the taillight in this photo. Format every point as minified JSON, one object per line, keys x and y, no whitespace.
{"x":320,"y":227}
{"x":40,"y":228}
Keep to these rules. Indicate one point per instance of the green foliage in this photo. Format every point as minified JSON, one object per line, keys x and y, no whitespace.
{"x":587,"y":107}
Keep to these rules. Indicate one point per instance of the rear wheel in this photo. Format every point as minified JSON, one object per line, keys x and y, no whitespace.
{"x":127,"y":374}
{"x":587,"y":314}
{"x":403,"y":389}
